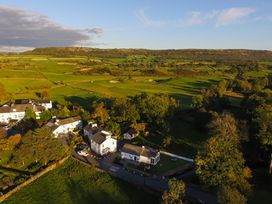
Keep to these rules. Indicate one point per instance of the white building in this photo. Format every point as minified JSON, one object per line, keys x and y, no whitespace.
{"x":102,"y":143}
{"x":64,"y":126}
{"x":47,"y":104}
{"x":89,"y":130}
{"x":17,"y":111}
{"x":139,"y":154}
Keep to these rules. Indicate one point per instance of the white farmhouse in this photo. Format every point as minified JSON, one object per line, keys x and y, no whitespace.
{"x":17,"y":111}
{"x":64,"y":126}
{"x":102,"y":143}
{"x":47,"y":104}
{"x":139,"y":154}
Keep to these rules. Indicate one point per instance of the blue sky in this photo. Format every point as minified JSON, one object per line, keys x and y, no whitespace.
{"x":154,"y":24}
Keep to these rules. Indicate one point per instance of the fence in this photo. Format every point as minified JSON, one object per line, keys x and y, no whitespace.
{"x":33,"y":178}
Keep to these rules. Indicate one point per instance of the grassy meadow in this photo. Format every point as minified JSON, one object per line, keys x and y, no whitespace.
{"x":76,"y":183}
{"x":24,"y":76}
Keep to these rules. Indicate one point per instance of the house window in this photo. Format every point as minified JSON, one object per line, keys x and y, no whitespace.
{"x":152,"y":161}
{"x":135,"y":158}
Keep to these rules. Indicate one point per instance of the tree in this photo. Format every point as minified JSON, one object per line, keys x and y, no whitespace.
{"x":123,"y":110}
{"x":44,"y":94}
{"x":14,"y":140}
{"x":167,"y":141}
{"x":221,"y":162}
{"x":263,"y":118}
{"x":155,"y":109}
{"x":197,"y":102}
{"x":100,"y":113}
{"x":45,"y":116}
{"x":176,"y":192}
{"x":113,"y":127}
{"x":38,"y":146}
{"x":30,"y":114}
{"x":229,"y":195}
{"x":64,"y":112}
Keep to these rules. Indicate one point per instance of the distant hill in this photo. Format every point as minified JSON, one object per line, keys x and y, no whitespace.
{"x":186,"y":54}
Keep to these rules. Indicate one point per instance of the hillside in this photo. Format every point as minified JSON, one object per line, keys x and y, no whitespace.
{"x":186,"y":54}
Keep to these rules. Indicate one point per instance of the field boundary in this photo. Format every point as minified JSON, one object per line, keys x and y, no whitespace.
{"x":33,"y":178}
{"x":177,"y":156}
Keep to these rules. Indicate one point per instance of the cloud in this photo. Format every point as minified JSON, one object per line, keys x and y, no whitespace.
{"x":140,"y":14}
{"x":263,"y":18}
{"x":232,"y":15}
{"x":22,"y":28}
{"x":97,"y":31}
{"x":197,"y":18}
{"x":218,"y":17}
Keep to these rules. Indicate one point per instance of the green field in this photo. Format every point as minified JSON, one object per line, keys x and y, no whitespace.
{"x":24,"y":76}
{"x":167,"y":164}
{"x":76,"y":183}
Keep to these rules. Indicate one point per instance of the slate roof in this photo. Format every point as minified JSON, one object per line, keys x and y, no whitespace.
{"x":20,"y":108}
{"x":99,"y":137}
{"x":68,"y":120}
{"x":41,"y":101}
{"x":139,"y":151}
{"x":54,"y":125}
{"x":132,"y":131}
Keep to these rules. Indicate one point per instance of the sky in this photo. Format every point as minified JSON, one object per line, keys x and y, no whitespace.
{"x":152,"y":24}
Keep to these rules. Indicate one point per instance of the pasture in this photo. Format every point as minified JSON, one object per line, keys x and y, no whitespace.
{"x":24,"y":76}
{"x":76,"y":183}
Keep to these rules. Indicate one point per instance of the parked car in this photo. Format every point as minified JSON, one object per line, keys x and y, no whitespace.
{"x":83,"y":152}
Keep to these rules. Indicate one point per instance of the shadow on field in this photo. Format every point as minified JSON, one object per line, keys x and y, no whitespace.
{"x":183,"y":100}
{"x":85,"y":102}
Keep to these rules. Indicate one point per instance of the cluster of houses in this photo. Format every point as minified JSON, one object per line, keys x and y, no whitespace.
{"x":16,"y":111}
{"x":101,"y":142}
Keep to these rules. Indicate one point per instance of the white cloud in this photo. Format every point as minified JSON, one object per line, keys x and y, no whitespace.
{"x":140,"y":14}
{"x":22,"y":28}
{"x":263,"y":18}
{"x":197,"y":18}
{"x":232,"y":15}
{"x":218,"y":17}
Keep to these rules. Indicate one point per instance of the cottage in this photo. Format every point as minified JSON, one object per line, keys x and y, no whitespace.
{"x":47,"y":104}
{"x":139,"y":154}
{"x":102,"y":143}
{"x":64,"y":126}
{"x":89,"y":130}
{"x":17,"y":111}
{"x":130,"y":134}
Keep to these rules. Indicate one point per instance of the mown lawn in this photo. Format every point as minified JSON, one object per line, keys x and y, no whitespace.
{"x":186,"y":139}
{"x":76,"y":183}
{"x":167,"y":163}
